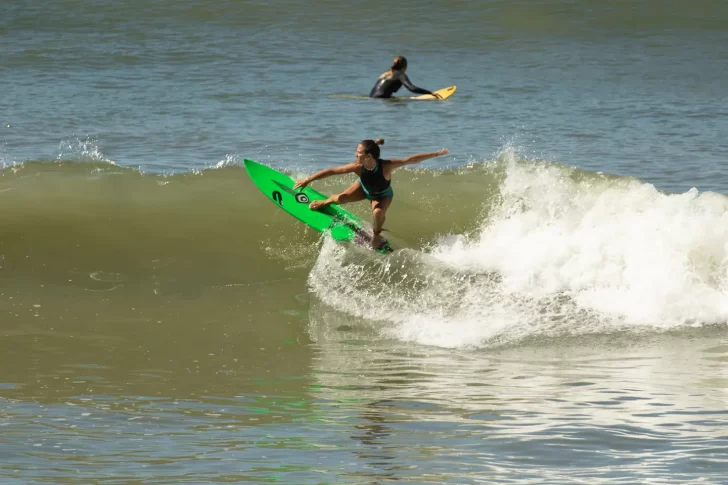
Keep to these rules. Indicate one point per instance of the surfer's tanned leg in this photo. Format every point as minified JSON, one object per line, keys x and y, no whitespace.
{"x":353,"y":194}
{"x":379,"y":211}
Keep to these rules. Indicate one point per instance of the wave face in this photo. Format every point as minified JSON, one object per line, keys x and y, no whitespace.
{"x":492,"y":253}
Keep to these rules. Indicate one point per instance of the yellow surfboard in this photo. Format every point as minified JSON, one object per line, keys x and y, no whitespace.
{"x":444,"y":94}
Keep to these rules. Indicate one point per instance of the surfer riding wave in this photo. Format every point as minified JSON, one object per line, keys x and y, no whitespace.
{"x":374,"y":183}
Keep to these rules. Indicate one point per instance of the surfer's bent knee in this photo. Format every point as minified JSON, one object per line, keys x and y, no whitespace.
{"x":341,"y":198}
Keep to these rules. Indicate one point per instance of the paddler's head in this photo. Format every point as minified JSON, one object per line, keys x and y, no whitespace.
{"x":399,"y":64}
{"x":368,"y":149}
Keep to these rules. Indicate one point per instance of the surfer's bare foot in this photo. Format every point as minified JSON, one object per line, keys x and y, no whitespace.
{"x":377,"y":241}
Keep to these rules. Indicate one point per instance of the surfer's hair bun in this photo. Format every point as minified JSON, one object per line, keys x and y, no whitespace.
{"x":379,"y":141}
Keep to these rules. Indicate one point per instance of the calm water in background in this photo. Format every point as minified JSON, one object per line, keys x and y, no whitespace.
{"x":557,"y":312}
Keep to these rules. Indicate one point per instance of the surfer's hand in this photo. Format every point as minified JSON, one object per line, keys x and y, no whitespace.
{"x":437,"y":95}
{"x":316,"y":204}
{"x":300,"y":183}
{"x":444,"y":151}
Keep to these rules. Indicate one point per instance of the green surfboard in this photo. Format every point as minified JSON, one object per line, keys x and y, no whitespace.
{"x":278,"y":187}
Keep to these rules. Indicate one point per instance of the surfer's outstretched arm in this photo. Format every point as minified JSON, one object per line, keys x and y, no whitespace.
{"x":408,"y":84}
{"x":420,"y":157}
{"x":327,"y":172}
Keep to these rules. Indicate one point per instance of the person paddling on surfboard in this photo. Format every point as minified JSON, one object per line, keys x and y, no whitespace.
{"x":390,"y":81}
{"x":374,"y":183}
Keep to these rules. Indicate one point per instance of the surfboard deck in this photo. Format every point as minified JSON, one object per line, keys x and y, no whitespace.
{"x":444,"y":94}
{"x":341,"y":224}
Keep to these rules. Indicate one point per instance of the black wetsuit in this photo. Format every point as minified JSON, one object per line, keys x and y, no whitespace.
{"x":374,"y":184}
{"x":390,"y":82}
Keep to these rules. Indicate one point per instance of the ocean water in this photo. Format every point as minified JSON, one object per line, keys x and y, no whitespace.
{"x":557,"y":308}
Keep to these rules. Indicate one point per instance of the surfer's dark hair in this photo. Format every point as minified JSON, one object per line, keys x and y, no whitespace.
{"x":371,"y":147}
{"x":399,"y":63}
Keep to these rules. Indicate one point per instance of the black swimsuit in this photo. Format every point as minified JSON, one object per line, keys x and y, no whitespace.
{"x":374,"y":184}
{"x":390,"y":82}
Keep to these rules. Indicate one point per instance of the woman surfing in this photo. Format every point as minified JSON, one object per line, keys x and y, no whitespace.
{"x":374,"y":183}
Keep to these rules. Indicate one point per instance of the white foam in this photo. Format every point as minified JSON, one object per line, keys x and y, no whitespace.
{"x":82,"y":150}
{"x":229,"y":161}
{"x":564,"y":253}
{"x":616,"y":246}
